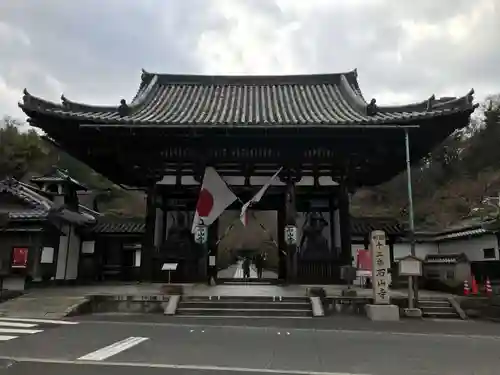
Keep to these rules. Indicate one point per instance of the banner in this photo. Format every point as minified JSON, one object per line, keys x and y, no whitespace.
{"x":364,"y":261}
{"x":19,"y":257}
{"x":257,"y":197}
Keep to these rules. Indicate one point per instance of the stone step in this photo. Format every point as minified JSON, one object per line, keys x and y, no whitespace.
{"x":243,"y":282}
{"x":437,"y":308}
{"x":222,"y":304}
{"x":243,"y":312}
{"x":241,"y":306}
{"x":234,"y":280}
{"x":276,"y":299}
{"x":442,"y":315}
{"x":429,"y":303}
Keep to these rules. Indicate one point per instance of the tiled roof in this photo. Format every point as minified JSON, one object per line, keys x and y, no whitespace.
{"x":39,"y":206}
{"x":28,"y":215}
{"x":120,"y":226}
{"x":446,"y":258}
{"x":296,"y":100}
{"x":461,"y":234}
{"x":25,"y":193}
{"x":58,"y":175}
{"x":365,"y":225}
{"x":359,"y":226}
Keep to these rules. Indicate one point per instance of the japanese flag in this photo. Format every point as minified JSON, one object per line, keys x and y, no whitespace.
{"x":214,"y":198}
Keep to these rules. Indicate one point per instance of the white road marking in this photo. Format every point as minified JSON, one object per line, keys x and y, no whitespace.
{"x":7,"y":338}
{"x":20,"y":330}
{"x":179,"y":367}
{"x":18,"y":325}
{"x":28,"y":320}
{"x":112,"y":349}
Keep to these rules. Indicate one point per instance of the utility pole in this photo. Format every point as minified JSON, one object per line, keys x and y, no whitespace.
{"x":413,"y":287}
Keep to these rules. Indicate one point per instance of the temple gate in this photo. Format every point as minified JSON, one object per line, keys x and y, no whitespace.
{"x":318,"y":128}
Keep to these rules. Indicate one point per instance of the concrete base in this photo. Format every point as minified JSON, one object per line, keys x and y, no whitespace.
{"x":382,"y":312}
{"x":413,"y":313}
{"x":317,"y":306}
{"x":17,"y":283}
{"x":171,"y":306}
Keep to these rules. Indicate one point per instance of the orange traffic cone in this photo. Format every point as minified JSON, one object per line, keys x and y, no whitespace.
{"x":466,"y":288}
{"x":475,"y":289}
{"x":488,"y":289}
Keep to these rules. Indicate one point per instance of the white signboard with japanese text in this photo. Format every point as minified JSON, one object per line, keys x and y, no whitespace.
{"x":169,"y":266}
{"x":410,"y":267}
{"x":201,"y":234}
{"x":381,"y":262}
{"x":212,"y":261}
{"x":291,"y":235}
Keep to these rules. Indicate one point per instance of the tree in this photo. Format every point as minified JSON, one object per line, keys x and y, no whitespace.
{"x":19,"y":152}
{"x":482,"y":150}
{"x":24,"y":154}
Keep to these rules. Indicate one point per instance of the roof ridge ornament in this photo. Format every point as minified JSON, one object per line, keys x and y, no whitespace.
{"x":371,"y":108}
{"x":27,"y":97}
{"x":65,"y":102}
{"x":470,"y":96}
{"x":123,"y":108}
{"x":430,"y":103}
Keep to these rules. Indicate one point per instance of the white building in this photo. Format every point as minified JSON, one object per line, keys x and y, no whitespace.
{"x":479,"y":241}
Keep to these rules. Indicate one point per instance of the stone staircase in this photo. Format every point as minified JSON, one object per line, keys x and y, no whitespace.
{"x":245,"y":307}
{"x":437,"y":308}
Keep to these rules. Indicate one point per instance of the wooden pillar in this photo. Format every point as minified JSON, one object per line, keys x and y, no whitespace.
{"x":158,"y":235}
{"x":148,"y":239}
{"x":331,"y":215}
{"x":163,"y":236}
{"x":366,"y":241}
{"x":281,"y":244}
{"x":290,"y":179}
{"x":345,"y":225}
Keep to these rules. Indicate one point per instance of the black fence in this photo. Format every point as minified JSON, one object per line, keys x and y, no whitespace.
{"x":319,"y":271}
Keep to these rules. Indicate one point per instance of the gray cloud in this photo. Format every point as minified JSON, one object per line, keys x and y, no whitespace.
{"x":93,"y":51}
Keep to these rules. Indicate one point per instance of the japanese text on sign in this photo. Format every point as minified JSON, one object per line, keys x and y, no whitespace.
{"x":291,"y":235}
{"x":381,"y":264}
{"x":201,"y":234}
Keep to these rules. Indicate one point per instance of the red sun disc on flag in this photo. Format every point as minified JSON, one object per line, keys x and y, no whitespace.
{"x":205,"y":203}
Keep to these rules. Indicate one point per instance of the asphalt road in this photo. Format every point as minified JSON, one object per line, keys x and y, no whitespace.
{"x":339,"y":322}
{"x":28,"y":368}
{"x":151,"y":348}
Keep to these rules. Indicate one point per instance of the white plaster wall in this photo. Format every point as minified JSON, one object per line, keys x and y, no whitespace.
{"x":68,"y":254}
{"x":472,"y":247}
{"x":88,"y":247}
{"x":401,"y":250}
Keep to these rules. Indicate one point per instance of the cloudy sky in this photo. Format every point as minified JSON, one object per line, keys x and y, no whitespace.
{"x":93,"y":50}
